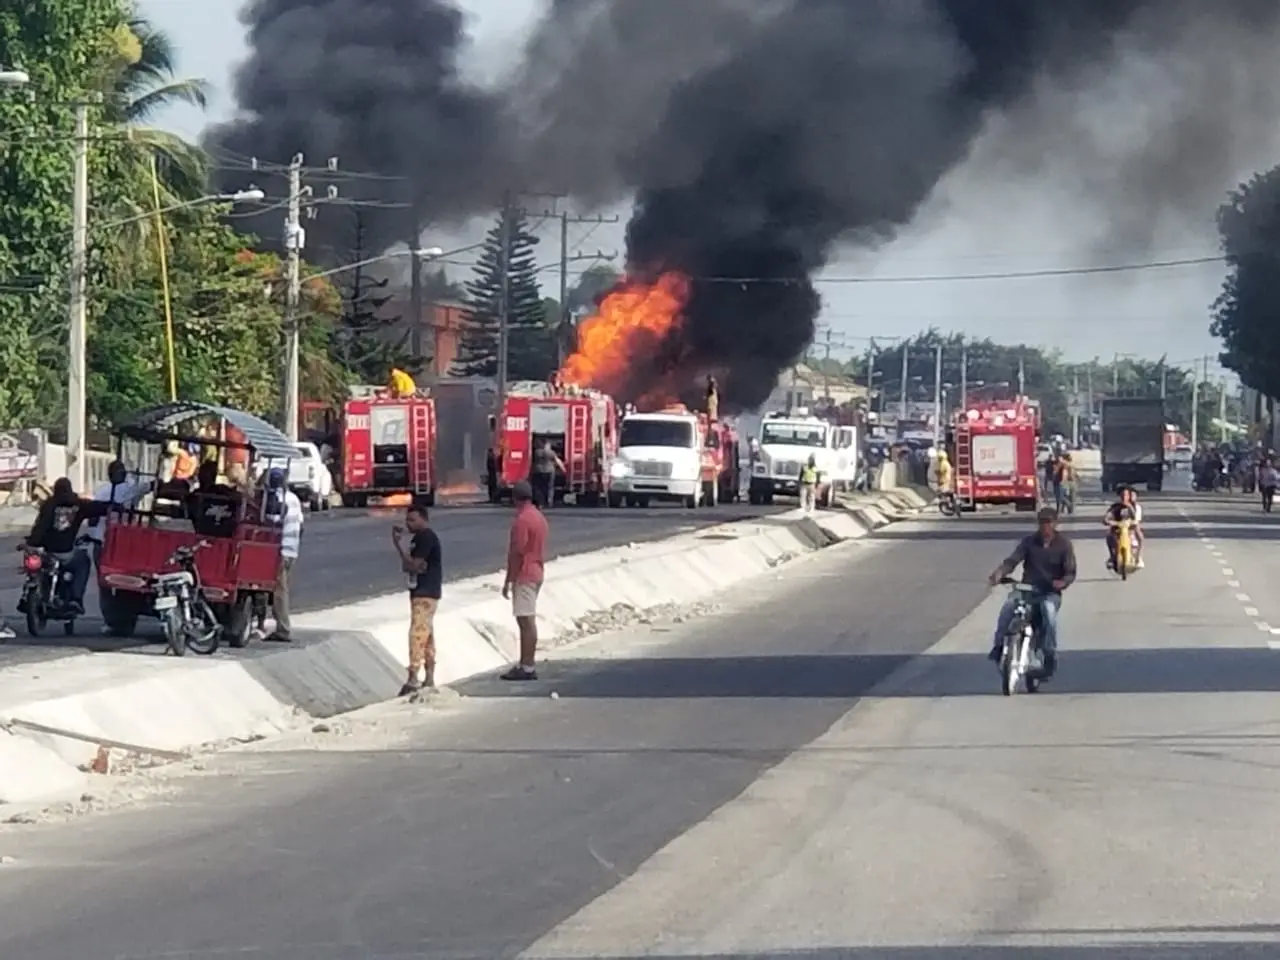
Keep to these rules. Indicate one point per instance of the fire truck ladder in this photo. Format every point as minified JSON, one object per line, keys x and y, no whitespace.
{"x":964,"y":467}
{"x":578,"y":448}
{"x":420,"y":435}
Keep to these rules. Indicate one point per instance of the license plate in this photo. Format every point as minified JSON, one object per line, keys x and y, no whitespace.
{"x":166,"y":603}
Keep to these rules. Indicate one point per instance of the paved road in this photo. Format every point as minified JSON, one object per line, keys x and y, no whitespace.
{"x":825,"y":770}
{"x":347,"y":555}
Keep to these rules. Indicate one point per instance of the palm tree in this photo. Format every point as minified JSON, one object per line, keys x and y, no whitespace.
{"x":145,"y":83}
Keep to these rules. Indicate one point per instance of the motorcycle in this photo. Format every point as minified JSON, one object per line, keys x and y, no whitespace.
{"x":1126,"y":549}
{"x":948,"y":506}
{"x":44,"y":592}
{"x":189,"y":622}
{"x":1022,"y":659}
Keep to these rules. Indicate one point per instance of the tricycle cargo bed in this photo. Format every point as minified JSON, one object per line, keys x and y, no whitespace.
{"x":135,"y":552}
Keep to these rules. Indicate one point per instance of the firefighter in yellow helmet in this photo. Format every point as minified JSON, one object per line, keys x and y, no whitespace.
{"x":401,"y":384}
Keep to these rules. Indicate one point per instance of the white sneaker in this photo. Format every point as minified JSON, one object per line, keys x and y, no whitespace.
{"x":1141,"y":563}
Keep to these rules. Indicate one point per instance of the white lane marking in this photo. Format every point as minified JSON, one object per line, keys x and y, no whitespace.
{"x":1233,"y":584}
{"x":1228,"y":571}
{"x":1243,"y":598}
{"x":1274,"y":644}
{"x":1252,"y":612}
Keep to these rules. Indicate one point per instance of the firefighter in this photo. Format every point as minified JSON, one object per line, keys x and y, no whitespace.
{"x":546,"y":463}
{"x":401,"y":384}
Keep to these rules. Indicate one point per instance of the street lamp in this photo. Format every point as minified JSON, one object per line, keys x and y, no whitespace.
{"x":14,"y":78}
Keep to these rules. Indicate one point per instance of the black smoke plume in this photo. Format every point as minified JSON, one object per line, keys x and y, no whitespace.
{"x":755,"y":135}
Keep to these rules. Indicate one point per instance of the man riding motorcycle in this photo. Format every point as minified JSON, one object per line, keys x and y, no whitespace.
{"x":1048,"y":563}
{"x":56,"y":530}
{"x":1125,"y":508}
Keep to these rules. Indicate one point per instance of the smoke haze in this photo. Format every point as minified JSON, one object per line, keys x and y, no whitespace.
{"x":758,"y":137}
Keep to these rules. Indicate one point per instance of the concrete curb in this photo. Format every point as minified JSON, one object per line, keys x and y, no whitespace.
{"x":57,"y":718}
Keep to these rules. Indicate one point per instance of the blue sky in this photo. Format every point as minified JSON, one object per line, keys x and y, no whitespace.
{"x":1147,"y":313}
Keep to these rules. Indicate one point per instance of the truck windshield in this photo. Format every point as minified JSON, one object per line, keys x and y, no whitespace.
{"x":656,"y":433}
{"x":794,"y":434}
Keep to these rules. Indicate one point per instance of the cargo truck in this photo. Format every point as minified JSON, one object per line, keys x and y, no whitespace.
{"x":1132,"y":442}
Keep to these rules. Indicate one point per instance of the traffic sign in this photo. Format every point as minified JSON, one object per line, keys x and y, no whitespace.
{"x":1075,"y":405}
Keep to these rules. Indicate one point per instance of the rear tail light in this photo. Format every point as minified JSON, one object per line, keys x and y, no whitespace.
{"x":32,"y":562}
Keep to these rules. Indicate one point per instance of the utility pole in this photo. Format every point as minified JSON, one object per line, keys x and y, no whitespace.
{"x":504,"y":301}
{"x":964,"y":377}
{"x":871,"y":375}
{"x":826,"y":369}
{"x":1222,"y":409}
{"x":1022,"y":375}
{"x":937,"y":396}
{"x":294,"y":240}
{"x":77,"y":352}
{"x":417,"y":304}
{"x":564,"y":290}
{"x":1075,"y":408}
{"x":1164,"y":382}
{"x":906,"y":372}
{"x":1115,"y":375}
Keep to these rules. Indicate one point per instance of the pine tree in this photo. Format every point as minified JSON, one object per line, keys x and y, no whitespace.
{"x":530,"y":346}
{"x":365,"y":342}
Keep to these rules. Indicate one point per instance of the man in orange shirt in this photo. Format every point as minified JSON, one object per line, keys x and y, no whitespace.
{"x":525,"y":559}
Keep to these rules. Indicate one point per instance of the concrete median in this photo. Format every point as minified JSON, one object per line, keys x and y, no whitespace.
{"x":58,"y":718}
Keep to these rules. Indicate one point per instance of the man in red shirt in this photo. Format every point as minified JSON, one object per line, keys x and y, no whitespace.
{"x":525,"y":558}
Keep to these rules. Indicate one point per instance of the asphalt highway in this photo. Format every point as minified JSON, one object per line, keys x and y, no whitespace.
{"x":347,"y":555}
{"x":824,"y":769}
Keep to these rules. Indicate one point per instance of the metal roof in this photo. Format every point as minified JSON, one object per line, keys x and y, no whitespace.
{"x":265,"y":439}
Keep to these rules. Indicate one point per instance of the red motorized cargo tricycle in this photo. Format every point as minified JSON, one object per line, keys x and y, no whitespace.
{"x":220,"y":535}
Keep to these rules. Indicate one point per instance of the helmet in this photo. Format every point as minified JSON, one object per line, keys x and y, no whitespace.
{"x":275,"y":478}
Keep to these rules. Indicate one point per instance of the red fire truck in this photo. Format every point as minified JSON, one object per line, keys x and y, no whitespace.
{"x":994,"y":445}
{"x":388,"y":446}
{"x":582,"y":426}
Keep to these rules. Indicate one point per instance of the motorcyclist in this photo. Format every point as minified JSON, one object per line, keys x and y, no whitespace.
{"x":56,"y":530}
{"x":1048,"y":562}
{"x":1123,"y":509}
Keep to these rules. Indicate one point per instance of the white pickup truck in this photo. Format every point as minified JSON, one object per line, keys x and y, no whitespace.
{"x":308,"y":475}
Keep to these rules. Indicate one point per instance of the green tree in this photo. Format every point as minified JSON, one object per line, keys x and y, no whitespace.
{"x":531,"y":351}
{"x":1246,"y":312}
{"x":365,"y":342}
{"x":68,"y":47}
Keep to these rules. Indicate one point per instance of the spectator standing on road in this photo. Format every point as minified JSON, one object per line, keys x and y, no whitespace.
{"x":422,"y":562}
{"x":1268,"y":477}
{"x":545,"y":465}
{"x":525,"y":570}
{"x":809,"y":484}
{"x":285,"y":508}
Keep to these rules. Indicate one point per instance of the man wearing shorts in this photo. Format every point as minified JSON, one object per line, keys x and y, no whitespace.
{"x":422,"y":564}
{"x":525,"y":555}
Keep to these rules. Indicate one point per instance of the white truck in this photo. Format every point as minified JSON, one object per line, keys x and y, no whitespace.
{"x":659,"y":458}
{"x":786,"y":443}
{"x":308,"y":475}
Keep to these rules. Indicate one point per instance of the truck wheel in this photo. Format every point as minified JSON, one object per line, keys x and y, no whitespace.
{"x":691,"y":503}
{"x":237,"y":627}
{"x":615,"y":500}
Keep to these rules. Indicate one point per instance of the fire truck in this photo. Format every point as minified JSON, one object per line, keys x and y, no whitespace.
{"x":675,"y":454}
{"x":582,"y":426}
{"x":994,"y":446}
{"x":386,"y":446}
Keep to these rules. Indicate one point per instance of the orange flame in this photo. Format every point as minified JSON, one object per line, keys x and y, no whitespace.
{"x":630,"y":324}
